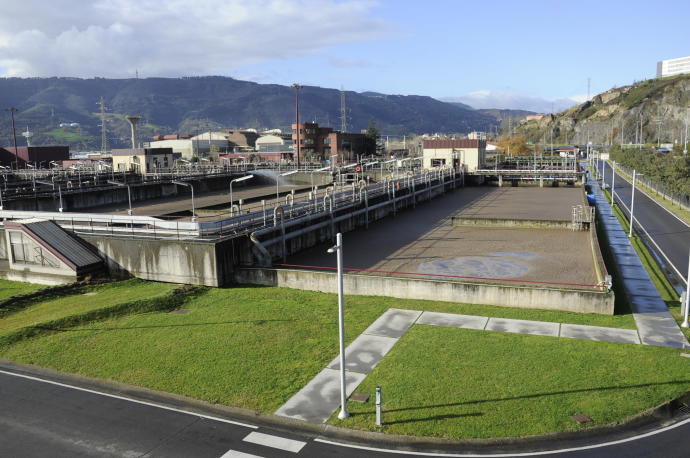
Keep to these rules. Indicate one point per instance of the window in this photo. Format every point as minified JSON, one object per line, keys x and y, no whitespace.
{"x":438,"y":162}
{"x":326,"y":141}
{"x":26,"y":251}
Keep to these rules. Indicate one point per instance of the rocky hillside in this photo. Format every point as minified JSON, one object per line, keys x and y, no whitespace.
{"x":657,"y":108}
{"x":191,"y":105}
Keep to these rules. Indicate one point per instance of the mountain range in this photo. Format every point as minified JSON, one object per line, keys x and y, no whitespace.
{"x":197,"y":104}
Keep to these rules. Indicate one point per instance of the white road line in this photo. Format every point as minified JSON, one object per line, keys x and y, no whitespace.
{"x":236,"y":454}
{"x":653,"y":199}
{"x":281,"y":443}
{"x":114,"y":396}
{"x":503,"y":455}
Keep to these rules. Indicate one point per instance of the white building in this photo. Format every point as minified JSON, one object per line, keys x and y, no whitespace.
{"x":672,"y":67}
{"x":267,"y":143}
{"x":202,"y":144}
{"x":468,"y":153}
{"x":477,"y":135}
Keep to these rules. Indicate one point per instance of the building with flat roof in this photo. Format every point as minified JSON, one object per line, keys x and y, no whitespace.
{"x":143,"y":160}
{"x":34,"y":155}
{"x":671,"y":67}
{"x":467,"y":153}
{"x":320,"y":143}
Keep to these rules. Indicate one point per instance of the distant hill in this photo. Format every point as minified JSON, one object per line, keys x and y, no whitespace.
{"x":191,"y":105}
{"x":650,"y":111}
{"x":503,"y":114}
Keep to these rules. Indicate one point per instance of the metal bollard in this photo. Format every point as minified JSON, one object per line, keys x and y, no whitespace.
{"x":379,"y":417}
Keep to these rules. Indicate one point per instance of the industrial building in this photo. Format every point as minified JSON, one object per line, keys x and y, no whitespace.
{"x":34,"y":155}
{"x":469,"y":153}
{"x":320,"y":143}
{"x":207,"y":143}
{"x":671,"y":67}
{"x":143,"y":160}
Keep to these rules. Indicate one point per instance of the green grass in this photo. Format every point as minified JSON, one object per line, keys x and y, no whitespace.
{"x":251,"y":347}
{"x":482,"y":384}
{"x":87,"y":299}
{"x":13,"y":288}
{"x":64,"y":135}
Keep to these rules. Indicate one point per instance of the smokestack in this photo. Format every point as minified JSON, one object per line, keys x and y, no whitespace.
{"x":133,"y":120}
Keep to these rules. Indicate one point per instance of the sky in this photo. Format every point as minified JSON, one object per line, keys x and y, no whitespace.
{"x":529,"y":54}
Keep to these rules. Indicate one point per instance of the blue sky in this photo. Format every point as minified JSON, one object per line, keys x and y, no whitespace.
{"x":504,"y":54}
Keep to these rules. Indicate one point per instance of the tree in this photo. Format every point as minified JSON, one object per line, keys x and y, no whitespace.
{"x":372,"y":139}
{"x":515,"y":146}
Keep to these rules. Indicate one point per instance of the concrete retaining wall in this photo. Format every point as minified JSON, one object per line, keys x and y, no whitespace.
{"x":514,"y":223}
{"x":171,"y":261}
{"x":569,"y":300}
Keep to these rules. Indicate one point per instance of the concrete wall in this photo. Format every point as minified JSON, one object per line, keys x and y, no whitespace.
{"x":570,"y":300}
{"x":159,"y":260}
{"x":515,"y":223}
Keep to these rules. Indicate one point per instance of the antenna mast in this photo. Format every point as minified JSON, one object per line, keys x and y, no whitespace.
{"x":104,"y":131}
{"x":343,"y":111}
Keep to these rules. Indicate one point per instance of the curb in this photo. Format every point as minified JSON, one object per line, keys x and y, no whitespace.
{"x":649,"y":420}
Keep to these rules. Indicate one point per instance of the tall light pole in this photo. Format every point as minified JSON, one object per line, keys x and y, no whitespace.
{"x":632,"y":202}
{"x":184,"y":183}
{"x":12,"y":111}
{"x":685,"y":147}
{"x":129,"y":194}
{"x":48,"y":183}
{"x":278,"y":178}
{"x":687,"y":299}
{"x":338,"y":249}
{"x":237,"y":180}
{"x":613,"y":182}
{"x":297,"y":87}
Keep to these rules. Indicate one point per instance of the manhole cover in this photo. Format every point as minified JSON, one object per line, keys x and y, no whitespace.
{"x":179,"y":312}
{"x":359,"y":397}
{"x":581,"y":418}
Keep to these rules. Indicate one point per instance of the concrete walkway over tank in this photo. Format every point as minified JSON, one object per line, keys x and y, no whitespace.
{"x":320,"y":398}
{"x":654,"y":322}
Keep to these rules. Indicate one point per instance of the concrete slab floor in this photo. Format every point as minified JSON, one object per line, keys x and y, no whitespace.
{"x":576,"y":331}
{"x":393,"y":323}
{"x":320,"y":397}
{"x":424,"y":241}
{"x":364,"y":353}
{"x":538,"y":328}
{"x":453,"y":320}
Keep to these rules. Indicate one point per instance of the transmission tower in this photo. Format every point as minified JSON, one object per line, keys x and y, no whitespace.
{"x":104,"y":131}
{"x":343,"y":111}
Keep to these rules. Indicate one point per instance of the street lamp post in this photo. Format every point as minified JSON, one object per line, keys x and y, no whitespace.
{"x":237,"y":180}
{"x":338,"y":249}
{"x":12,"y":111}
{"x":48,"y":183}
{"x":613,"y":182}
{"x":632,"y":202}
{"x":129,"y":194}
{"x":184,"y":183}
{"x":687,"y":299}
{"x":278,"y":178}
{"x":323,"y":169}
{"x":297,"y":87}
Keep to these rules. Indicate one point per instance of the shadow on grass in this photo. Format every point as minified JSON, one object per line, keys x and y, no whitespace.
{"x":540,"y":395}
{"x":210,"y":323}
{"x":435,"y":417}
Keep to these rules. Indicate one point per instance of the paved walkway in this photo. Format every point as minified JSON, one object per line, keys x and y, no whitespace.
{"x":317,"y":401}
{"x":655,"y":323}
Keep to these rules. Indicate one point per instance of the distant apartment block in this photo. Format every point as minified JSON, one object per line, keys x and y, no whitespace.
{"x":672,"y":67}
{"x":477,"y":136}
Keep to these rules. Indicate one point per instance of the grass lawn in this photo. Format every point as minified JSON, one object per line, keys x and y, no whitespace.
{"x":79,"y":301}
{"x":251,"y":347}
{"x":482,"y":384}
{"x":13,"y":288}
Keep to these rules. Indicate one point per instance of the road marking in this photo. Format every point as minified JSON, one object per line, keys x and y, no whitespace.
{"x":505,"y":455}
{"x":653,"y":200}
{"x":236,"y":454}
{"x":136,"y":401}
{"x":282,"y":443}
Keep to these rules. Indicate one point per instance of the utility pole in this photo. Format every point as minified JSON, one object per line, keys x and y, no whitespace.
{"x":104,"y":132}
{"x":12,"y":111}
{"x":343,"y":111}
{"x":297,"y":87}
{"x":685,"y":147}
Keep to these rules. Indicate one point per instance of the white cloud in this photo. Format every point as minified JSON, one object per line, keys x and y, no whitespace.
{"x":515,"y":100}
{"x":113,"y":38}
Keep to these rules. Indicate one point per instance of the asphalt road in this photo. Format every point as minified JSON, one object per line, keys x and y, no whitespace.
{"x":671,"y":234}
{"x":42,"y":417}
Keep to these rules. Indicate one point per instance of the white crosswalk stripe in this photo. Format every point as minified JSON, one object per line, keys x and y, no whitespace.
{"x":236,"y":454}
{"x":281,"y":443}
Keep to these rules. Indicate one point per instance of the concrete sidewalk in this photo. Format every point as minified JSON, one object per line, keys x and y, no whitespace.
{"x":320,"y":398}
{"x":655,"y":323}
